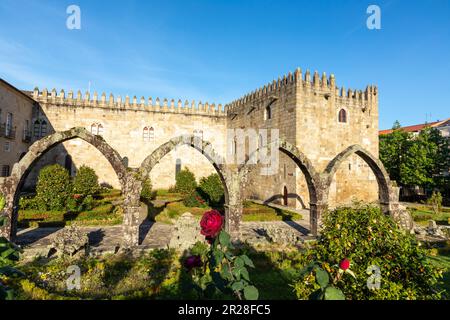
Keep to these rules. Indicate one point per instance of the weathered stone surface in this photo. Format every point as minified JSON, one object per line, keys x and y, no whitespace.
{"x":71,"y":241}
{"x":186,"y":233}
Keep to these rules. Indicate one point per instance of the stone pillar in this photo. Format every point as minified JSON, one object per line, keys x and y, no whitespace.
{"x":315,"y":215}
{"x":131,"y":226}
{"x":131,"y":192}
{"x":8,"y":210}
{"x":233,"y":214}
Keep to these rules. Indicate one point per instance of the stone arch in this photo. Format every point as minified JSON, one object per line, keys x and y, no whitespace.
{"x":205,"y":148}
{"x":312,"y":177}
{"x":11,"y":185}
{"x":375,"y":164}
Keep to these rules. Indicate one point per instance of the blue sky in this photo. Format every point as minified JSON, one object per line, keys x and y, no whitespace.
{"x":217,"y":51}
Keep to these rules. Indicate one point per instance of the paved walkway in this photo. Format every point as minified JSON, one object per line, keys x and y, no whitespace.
{"x":152,"y":235}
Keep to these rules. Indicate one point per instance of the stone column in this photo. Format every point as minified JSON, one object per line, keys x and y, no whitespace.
{"x":131,"y":193}
{"x":8,"y":210}
{"x":315,"y":215}
{"x":233,"y":212}
{"x":131,"y":226}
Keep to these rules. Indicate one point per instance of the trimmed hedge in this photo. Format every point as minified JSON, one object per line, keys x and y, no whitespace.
{"x":185,"y":182}
{"x":211,"y":189}
{"x":86,"y":182}
{"x":53,"y":188}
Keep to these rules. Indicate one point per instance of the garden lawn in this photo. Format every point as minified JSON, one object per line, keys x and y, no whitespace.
{"x":442,"y":260}
{"x":156,"y":275}
{"x":106,"y":211}
{"x":422,"y":215}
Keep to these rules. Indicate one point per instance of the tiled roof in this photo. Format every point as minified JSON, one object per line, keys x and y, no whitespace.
{"x":417,"y":127}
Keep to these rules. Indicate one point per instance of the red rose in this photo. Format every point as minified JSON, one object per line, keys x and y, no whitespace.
{"x":211,"y":223}
{"x":192,"y":262}
{"x":345,"y":264}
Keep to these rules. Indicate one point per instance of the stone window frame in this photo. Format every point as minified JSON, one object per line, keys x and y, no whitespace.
{"x":97,"y":129}
{"x":347,"y":116}
{"x":6,"y":171}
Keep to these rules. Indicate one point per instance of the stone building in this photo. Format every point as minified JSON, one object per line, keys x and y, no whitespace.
{"x":308,"y":111}
{"x":17,"y":110}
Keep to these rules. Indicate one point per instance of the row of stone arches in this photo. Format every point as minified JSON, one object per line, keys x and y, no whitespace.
{"x":234,"y":178}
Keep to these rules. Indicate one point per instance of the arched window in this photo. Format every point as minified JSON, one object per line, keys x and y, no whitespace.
{"x":97,"y":129}
{"x":177,"y":166}
{"x":151,"y":134}
{"x":268,"y":113}
{"x":198,"y":133}
{"x":94,"y":130}
{"x":100,"y":130}
{"x":342,"y":116}
{"x":145,"y":134}
{"x":43,"y":128}
{"x":37,"y":129}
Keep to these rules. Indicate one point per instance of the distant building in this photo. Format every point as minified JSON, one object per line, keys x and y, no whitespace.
{"x":16,"y":114}
{"x":443,"y":126}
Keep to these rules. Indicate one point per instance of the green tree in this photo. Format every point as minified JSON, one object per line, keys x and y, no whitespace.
{"x":53,"y":188}
{"x":185,"y":182}
{"x":211,"y":189}
{"x":416,"y":160}
{"x":85,"y":181}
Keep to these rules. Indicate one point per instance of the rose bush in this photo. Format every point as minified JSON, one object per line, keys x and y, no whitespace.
{"x":211,"y":223}
{"x":365,"y":239}
{"x":222,"y":271}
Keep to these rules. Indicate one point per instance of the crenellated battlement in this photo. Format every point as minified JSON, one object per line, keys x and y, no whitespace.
{"x":306,"y":84}
{"x":96,"y":101}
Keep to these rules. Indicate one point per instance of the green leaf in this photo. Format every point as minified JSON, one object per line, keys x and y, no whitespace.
{"x":218,"y":256}
{"x":251,"y":293}
{"x":238,"y":263}
{"x":322,"y":277}
{"x":8,"y":252}
{"x":224,"y":239}
{"x":244,"y":273}
{"x":225,"y":272}
{"x":2,"y":221}
{"x":332,"y":293}
{"x":9,"y":271}
{"x":247,"y":261}
{"x":237,"y":286}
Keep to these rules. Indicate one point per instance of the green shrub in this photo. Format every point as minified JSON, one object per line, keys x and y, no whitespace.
{"x":146,"y":193}
{"x":194,"y":200}
{"x":85,"y":182}
{"x":2,"y":201}
{"x":185,"y":182}
{"x":53,"y":188}
{"x":28,"y":203}
{"x":435,"y":201}
{"x":211,"y":189}
{"x":87,"y":204}
{"x":367,"y":237}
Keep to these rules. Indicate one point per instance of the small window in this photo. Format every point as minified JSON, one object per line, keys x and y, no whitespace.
{"x":43,"y":128}
{"x":342,"y":116}
{"x":268,"y":113}
{"x":177,"y":166}
{"x":37,"y":129}
{"x":5,"y":171}
{"x":7,"y":146}
{"x":100,"y":130}
{"x":94,"y":128}
{"x":145,"y":134}
{"x":151,"y":134}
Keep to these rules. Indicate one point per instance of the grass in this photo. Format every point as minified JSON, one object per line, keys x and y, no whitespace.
{"x":422,"y":214}
{"x":442,"y":260}
{"x":104,"y":212}
{"x":157,"y":274}
{"x":168,"y":207}
{"x":258,"y":212}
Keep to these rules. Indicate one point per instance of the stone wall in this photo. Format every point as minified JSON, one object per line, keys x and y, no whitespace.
{"x":123,"y":128}
{"x":305,"y":110}
{"x":22,"y":109}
